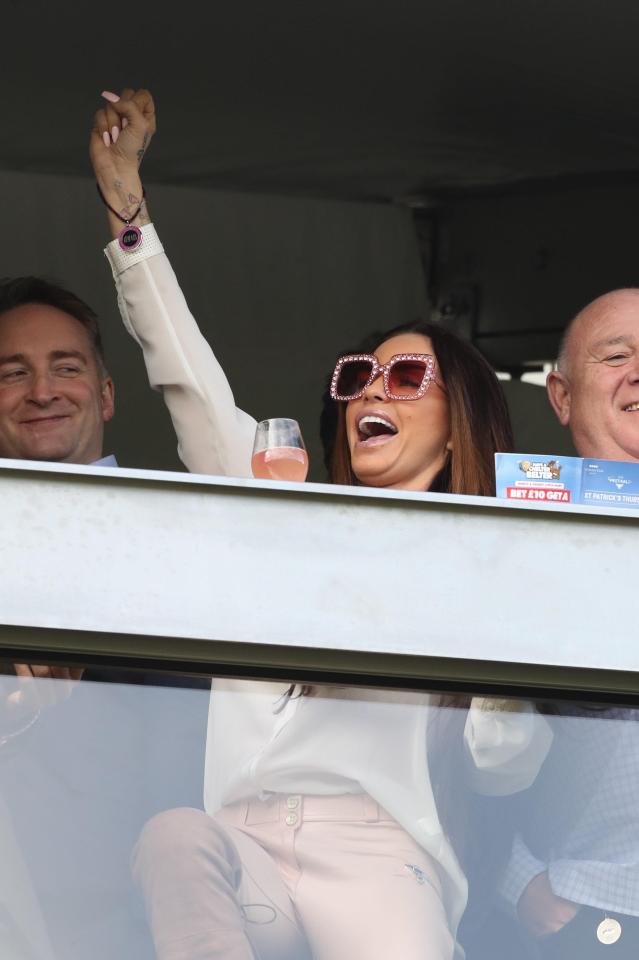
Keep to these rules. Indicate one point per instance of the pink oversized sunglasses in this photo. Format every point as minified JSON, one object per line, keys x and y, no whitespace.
{"x":407,"y":376}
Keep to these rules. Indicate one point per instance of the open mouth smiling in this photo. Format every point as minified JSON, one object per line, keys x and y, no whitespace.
{"x":373,"y":429}
{"x":631,"y":407}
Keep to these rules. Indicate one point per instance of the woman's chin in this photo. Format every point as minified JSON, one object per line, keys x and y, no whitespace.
{"x":371,"y":481}
{"x":386,"y":473}
{"x":371,"y":467}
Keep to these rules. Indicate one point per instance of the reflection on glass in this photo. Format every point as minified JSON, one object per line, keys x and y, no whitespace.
{"x":312,"y":821}
{"x":76,"y":789}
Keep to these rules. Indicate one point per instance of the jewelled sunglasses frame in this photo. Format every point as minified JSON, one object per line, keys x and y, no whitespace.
{"x":384,"y":369}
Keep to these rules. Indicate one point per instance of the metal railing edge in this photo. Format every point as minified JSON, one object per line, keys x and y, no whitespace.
{"x":224,"y":657}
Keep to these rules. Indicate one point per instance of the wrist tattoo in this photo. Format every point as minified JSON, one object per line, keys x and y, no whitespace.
{"x":129,"y":202}
{"x":142,"y":149}
{"x":140,"y":205}
{"x":131,"y":237}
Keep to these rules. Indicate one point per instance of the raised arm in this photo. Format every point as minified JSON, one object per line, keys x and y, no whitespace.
{"x":214,"y":436}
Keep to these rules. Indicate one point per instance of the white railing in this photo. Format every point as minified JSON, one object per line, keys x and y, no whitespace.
{"x":466,"y":586}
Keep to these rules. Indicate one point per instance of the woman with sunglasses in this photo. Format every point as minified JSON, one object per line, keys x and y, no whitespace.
{"x":443,"y":441}
{"x":329,"y":828}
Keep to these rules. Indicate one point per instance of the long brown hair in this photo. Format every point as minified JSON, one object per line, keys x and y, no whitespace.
{"x":479,"y":420}
{"x":480,"y":427}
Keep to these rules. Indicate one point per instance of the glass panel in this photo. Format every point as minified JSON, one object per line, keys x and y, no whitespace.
{"x":140,"y":817}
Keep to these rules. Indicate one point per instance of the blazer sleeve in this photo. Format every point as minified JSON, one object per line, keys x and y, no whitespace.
{"x":214,"y":436}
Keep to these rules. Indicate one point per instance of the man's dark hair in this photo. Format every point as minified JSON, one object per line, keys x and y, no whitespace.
{"x":20,"y":291}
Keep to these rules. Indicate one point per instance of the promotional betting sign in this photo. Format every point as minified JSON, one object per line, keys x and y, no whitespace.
{"x":610,"y":483}
{"x":556,"y":479}
{"x":539,"y":478}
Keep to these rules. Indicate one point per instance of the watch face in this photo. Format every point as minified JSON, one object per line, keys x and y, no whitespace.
{"x":609,"y":930}
{"x":130,"y":238}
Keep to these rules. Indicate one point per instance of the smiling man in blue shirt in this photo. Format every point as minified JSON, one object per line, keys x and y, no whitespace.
{"x":80,"y":776}
{"x":55,"y":391}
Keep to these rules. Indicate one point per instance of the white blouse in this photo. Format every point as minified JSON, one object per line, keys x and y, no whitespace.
{"x":354,"y":740}
{"x":340,"y":740}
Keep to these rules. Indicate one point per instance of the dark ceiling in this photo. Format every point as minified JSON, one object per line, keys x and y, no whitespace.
{"x":352,"y":99}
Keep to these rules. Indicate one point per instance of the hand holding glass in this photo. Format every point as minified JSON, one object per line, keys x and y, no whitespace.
{"x":278,"y":451}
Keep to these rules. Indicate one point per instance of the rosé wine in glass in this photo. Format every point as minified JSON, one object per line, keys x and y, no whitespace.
{"x":279,"y":452}
{"x":280,"y":463}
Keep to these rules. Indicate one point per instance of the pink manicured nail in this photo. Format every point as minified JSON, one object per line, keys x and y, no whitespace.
{"x":115,"y":133}
{"x":125,"y":122}
{"x":111,"y":97}
{"x":107,"y":139}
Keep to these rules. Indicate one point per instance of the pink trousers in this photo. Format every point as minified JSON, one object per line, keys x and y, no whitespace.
{"x":290,"y":878}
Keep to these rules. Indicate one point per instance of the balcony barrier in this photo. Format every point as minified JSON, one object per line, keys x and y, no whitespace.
{"x":246,"y":576}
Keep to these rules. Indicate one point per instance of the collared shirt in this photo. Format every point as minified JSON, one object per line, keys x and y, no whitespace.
{"x":580,"y":820}
{"x":108,"y":461}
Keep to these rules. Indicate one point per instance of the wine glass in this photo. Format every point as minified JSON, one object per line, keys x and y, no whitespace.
{"x":279,"y":452}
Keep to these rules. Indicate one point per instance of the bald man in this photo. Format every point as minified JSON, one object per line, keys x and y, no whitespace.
{"x":595,"y":390}
{"x":573,"y":876}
